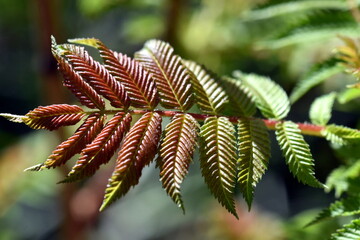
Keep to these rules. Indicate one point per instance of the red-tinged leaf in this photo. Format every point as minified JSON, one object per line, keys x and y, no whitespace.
{"x":172,"y":78}
{"x":81,"y":89}
{"x":102,"y":148}
{"x":176,"y":153}
{"x":138,"y":150}
{"x":53,"y":116}
{"x":137,"y":81}
{"x":97,"y":76}
{"x":74,"y":144}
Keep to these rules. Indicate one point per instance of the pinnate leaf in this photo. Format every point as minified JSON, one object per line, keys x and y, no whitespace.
{"x":102,"y":148}
{"x":210,"y":96}
{"x":320,"y":110}
{"x":348,"y":232}
{"x":137,"y":81}
{"x":137,"y":151}
{"x":74,"y":144}
{"x":270,"y":98}
{"x":172,"y":78}
{"x":296,"y":152}
{"x":341,"y":135}
{"x":218,"y":159}
{"x":176,"y":151}
{"x":96,"y":75}
{"x":53,"y":116}
{"x":254,"y":154}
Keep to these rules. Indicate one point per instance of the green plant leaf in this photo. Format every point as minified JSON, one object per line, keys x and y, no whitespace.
{"x":345,"y":207}
{"x":296,"y":152}
{"x":348,"y":95}
{"x":348,"y":232}
{"x":341,"y":135}
{"x":218,"y":159}
{"x":209,"y":95}
{"x":318,"y":74}
{"x":176,"y":151}
{"x":270,"y":98}
{"x":320,"y":109}
{"x":241,"y":103}
{"x":172,"y":78}
{"x":254,"y":154}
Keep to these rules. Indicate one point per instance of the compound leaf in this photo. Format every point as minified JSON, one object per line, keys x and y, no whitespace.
{"x":296,"y":152}
{"x":218,"y":159}
{"x":176,"y":151}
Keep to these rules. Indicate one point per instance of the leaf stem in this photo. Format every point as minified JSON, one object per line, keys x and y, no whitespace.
{"x":306,"y":128}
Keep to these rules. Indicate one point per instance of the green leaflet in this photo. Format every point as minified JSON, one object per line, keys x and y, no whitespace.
{"x":348,"y":232}
{"x":209,"y":95}
{"x":318,"y":74}
{"x":254,"y":154}
{"x":176,"y":152}
{"x":341,"y":135}
{"x":218,"y":159}
{"x":270,"y":98}
{"x":297,"y":153}
{"x":342,"y":179}
{"x":320,"y":110}
{"x":241,"y":103}
{"x":348,"y":95}
{"x":345,"y":207}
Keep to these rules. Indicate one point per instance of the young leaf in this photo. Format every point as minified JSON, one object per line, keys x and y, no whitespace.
{"x":74,"y":144}
{"x":172,"y":78}
{"x":341,"y":135}
{"x":138,"y":83}
{"x":320,"y":110}
{"x":345,"y":207}
{"x":270,"y":98}
{"x":137,"y":151}
{"x":102,"y":148}
{"x":53,"y":116}
{"x":76,"y":84}
{"x":209,"y":95}
{"x":348,"y":232}
{"x":176,"y":150}
{"x":254,"y":154}
{"x":296,"y":152}
{"x":218,"y":159}
{"x":241,"y":102}
{"x":318,"y":74}
{"x":96,"y":75}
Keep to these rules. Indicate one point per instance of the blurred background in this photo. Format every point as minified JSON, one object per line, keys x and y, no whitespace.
{"x":224,"y":36}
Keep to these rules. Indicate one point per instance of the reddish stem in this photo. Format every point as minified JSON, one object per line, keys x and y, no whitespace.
{"x":306,"y":128}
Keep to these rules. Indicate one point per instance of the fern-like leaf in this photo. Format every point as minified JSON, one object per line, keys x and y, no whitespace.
{"x":53,"y":116}
{"x":138,"y":83}
{"x":101,"y":149}
{"x":348,"y":232}
{"x":172,"y":78}
{"x":345,"y":207}
{"x":341,"y":135}
{"x":320,"y":110}
{"x":76,"y":84}
{"x":74,"y":144}
{"x":241,"y":102}
{"x":318,"y":74}
{"x":209,"y":95}
{"x":297,"y":153}
{"x":254,"y":154}
{"x":96,"y":75}
{"x":137,"y":151}
{"x":270,"y":98}
{"x":177,"y":148}
{"x":218,"y":159}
